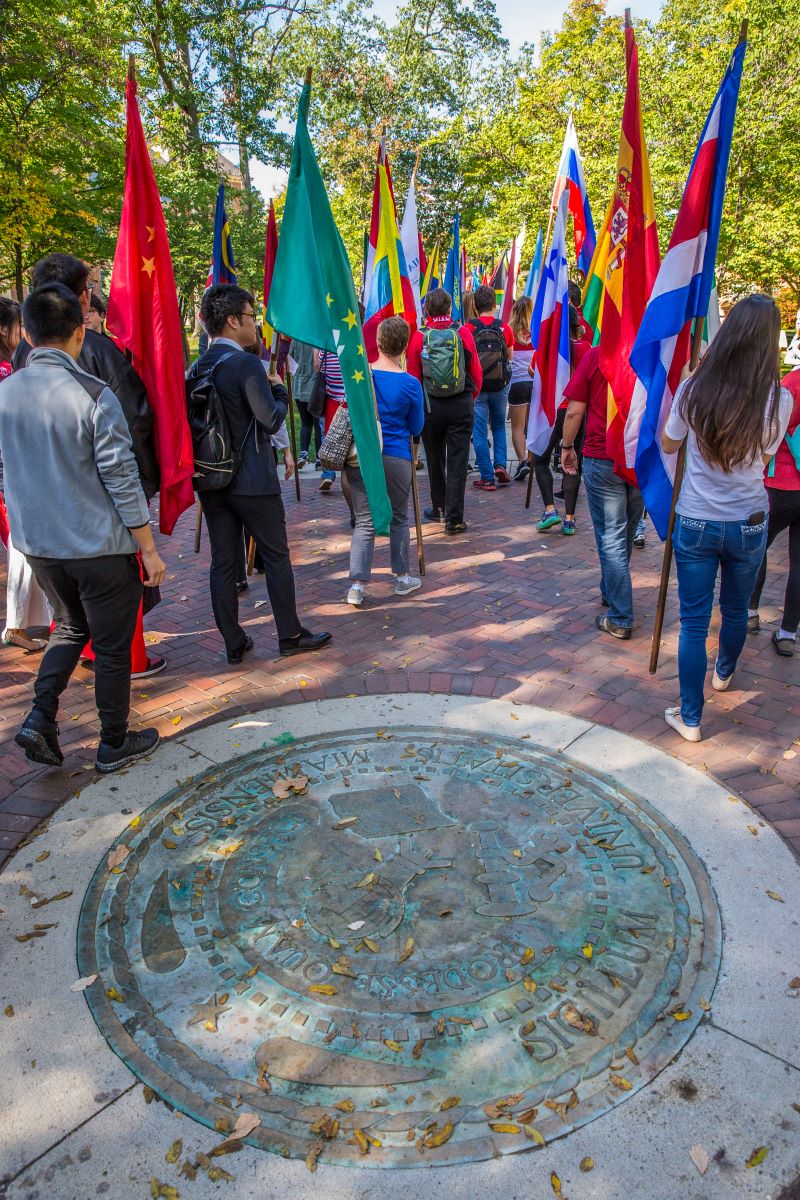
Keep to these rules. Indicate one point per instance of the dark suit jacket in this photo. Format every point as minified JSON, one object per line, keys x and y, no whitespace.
{"x":103,"y":358}
{"x":255,"y":410}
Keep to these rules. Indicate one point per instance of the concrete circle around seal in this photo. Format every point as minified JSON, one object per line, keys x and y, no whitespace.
{"x":441,"y":929}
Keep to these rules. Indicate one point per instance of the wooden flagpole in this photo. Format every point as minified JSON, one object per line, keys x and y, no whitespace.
{"x":530,"y":478}
{"x":417,"y":517}
{"x":697,"y":343}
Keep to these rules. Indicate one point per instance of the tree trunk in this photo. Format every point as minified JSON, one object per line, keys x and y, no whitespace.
{"x":18,"y":271}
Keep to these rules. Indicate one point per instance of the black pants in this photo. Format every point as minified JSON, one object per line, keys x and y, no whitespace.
{"x":446,"y":437}
{"x":95,"y":598}
{"x":308,"y":425}
{"x":544,"y":475}
{"x":263,"y":516}
{"x":784,"y":513}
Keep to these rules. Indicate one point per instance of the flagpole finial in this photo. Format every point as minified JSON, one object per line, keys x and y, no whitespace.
{"x":628,"y":21}
{"x":132,"y":68}
{"x":743,"y":30}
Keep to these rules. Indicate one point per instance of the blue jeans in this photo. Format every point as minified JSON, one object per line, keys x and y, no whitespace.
{"x":701,"y":549}
{"x":616,"y":508}
{"x":490,"y":408}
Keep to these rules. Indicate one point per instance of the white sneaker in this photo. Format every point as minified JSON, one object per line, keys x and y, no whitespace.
{"x":691,"y":733}
{"x":720,"y":685}
{"x":356,"y":595}
{"x":405,"y":584}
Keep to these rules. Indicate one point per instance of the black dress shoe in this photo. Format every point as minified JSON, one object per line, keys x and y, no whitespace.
{"x":432,"y":514}
{"x":242,"y":586}
{"x":38,"y":737}
{"x":455,"y":527}
{"x":236,"y":656}
{"x":305,"y":641}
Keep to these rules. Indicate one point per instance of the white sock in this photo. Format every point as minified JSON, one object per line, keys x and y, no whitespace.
{"x":783,"y":633}
{"x":404,"y":579}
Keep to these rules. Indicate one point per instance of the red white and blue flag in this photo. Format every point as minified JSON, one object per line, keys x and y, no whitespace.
{"x":680,"y":296}
{"x":550,"y":338}
{"x":570,"y":179}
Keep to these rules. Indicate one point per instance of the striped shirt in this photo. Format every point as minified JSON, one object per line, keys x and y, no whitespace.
{"x":332,"y":368}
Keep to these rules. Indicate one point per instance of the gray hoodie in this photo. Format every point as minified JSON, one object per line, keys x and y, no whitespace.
{"x":67,"y":471}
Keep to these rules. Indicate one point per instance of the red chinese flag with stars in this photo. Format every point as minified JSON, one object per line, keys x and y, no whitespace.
{"x":143,"y":317}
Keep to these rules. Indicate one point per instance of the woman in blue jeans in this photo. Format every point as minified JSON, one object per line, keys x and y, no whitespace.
{"x":733,"y":415}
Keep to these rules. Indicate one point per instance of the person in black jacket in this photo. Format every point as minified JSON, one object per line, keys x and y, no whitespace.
{"x":101,"y":357}
{"x":256,"y":408}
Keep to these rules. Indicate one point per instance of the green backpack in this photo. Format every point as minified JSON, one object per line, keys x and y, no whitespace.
{"x":444,"y":370}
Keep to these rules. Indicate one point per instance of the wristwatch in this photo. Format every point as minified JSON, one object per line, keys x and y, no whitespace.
{"x":564,"y":446}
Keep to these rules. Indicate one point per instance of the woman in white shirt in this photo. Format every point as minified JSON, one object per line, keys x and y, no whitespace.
{"x":733,"y":413}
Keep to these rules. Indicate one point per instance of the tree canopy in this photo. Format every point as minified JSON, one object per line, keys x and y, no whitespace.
{"x":222,"y":77}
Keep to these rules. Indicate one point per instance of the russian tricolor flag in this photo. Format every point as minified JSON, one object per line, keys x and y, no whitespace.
{"x":570,"y":178}
{"x":550,"y":338}
{"x":680,"y":296}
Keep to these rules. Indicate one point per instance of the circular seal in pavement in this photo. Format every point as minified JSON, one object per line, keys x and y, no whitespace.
{"x":406,"y":948}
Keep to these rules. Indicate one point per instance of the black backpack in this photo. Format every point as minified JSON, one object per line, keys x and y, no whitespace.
{"x":216,"y":460}
{"x":492,"y":353}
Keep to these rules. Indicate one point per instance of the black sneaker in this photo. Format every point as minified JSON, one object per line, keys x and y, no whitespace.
{"x":38,"y":737}
{"x":303,"y":643}
{"x":522,"y":472}
{"x":433,"y":514}
{"x":155,"y":665}
{"x":455,"y":527}
{"x":236,"y":656}
{"x":136,"y":745}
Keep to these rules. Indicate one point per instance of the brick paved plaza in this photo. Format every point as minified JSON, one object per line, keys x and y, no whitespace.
{"x":504,"y":612}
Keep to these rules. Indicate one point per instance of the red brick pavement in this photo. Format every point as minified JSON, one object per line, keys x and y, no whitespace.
{"x":504,"y":612}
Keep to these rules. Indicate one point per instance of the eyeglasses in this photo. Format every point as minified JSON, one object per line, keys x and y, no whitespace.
{"x":250,"y":314}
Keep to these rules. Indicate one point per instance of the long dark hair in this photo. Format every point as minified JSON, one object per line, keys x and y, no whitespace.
{"x":731,"y":401}
{"x":10,"y":317}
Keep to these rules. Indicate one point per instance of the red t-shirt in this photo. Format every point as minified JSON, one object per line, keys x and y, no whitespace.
{"x":586,"y":333}
{"x":786,"y":476}
{"x":414,"y":351}
{"x":487,"y":319}
{"x":588,"y":386}
{"x":578,"y":350}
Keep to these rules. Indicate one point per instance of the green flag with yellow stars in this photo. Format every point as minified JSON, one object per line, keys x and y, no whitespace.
{"x":313,"y":299}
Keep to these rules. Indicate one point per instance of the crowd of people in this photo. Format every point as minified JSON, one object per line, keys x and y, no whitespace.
{"x":71,"y":402}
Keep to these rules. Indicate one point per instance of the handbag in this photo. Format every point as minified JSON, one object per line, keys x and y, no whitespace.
{"x":336,"y":444}
{"x":316,"y":401}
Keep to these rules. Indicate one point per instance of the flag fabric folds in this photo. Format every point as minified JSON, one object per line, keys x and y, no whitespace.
{"x":452,"y":274}
{"x":412,"y":246}
{"x":532,"y":282}
{"x":270,"y":254}
{"x":570,"y":178}
{"x":433,"y":272}
{"x":371,"y":242}
{"x":550,"y":338}
{"x":509,"y":293}
{"x":324,"y":311}
{"x":223,"y":266}
{"x":681,"y":296}
{"x":625,"y":264}
{"x":144,"y":319}
{"x":389,"y":292}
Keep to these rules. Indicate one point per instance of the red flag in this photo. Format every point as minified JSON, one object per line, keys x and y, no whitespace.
{"x":270,"y":252}
{"x":143,"y":317}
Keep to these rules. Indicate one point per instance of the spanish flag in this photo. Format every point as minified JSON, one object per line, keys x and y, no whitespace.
{"x":625,"y":263}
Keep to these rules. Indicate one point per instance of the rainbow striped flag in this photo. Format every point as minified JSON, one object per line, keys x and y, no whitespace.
{"x":390,"y":293}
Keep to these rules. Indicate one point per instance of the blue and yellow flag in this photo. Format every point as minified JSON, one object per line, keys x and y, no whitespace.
{"x":223,"y":266}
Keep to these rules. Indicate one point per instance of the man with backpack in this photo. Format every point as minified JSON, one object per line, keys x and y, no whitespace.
{"x":444,"y":359}
{"x":494,"y":342}
{"x":233,"y":409}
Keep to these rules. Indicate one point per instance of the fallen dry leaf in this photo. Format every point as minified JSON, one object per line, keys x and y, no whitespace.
{"x":500,"y":1127}
{"x":699,"y":1156}
{"x":619,"y":1081}
{"x":586,"y":1164}
{"x":757,"y":1157}
{"x":450,"y":1102}
{"x":344,"y":823}
{"x":586,"y":950}
{"x":378,"y":856}
{"x":80,"y":985}
{"x":772,"y":895}
{"x":528,"y":956}
{"x":630,"y":1053}
{"x":369,"y":881}
{"x":418,"y":1048}
{"x":408,"y":950}
{"x":323,"y":989}
{"x":314,"y":1152}
{"x":162,"y":1191}
{"x":8,"y":1011}
{"x":530,"y":985}
{"x":579,"y":1020}
{"x":113,"y":994}
{"x":345,"y":1106}
{"x":50,"y":899}
{"x":682,"y":1016}
{"x":555,"y":1184}
{"x":327,"y":1126}
{"x":533,"y":1134}
{"x":390,"y":1045}
{"x":361,"y":1140}
{"x":246,"y":1122}
{"x":437,"y":1137}
{"x":174,"y":1152}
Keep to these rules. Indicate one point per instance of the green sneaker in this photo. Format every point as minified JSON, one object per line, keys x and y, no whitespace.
{"x":568,"y":527}
{"x":548,"y":520}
